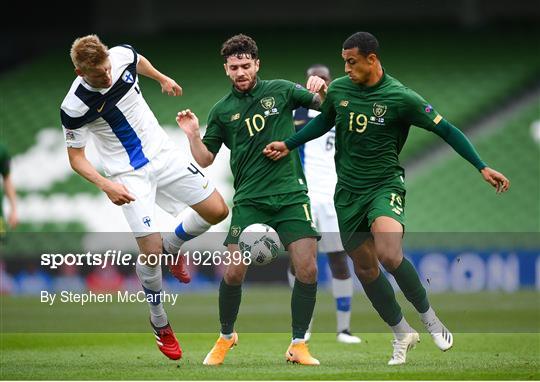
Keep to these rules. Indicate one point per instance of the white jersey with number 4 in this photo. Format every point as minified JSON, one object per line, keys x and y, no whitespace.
{"x":135,"y":151}
{"x":126,"y":132}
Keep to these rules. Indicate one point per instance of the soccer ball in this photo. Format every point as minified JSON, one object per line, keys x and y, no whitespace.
{"x":262,"y":243}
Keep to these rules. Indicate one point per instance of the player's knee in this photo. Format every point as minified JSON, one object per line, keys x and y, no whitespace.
{"x":390,"y":260}
{"x":366,"y":275}
{"x":388,"y":252}
{"x":390,"y":264}
{"x":307,"y":274}
{"x":234,"y":276}
{"x":338,"y":265}
{"x":218,"y":214}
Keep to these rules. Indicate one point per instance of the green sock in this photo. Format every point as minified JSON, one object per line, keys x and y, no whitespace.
{"x":302,"y":305}
{"x":229,"y":304}
{"x":409,"y":283}
{"x":383,"y":299}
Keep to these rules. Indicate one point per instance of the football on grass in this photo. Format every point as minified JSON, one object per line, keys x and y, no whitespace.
{"x":262,"y":243}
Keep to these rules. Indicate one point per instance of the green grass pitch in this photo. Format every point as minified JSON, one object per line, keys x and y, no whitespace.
{"x":508,"y":349}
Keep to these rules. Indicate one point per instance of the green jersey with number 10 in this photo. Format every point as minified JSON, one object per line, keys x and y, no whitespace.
{"x":245,"y":122}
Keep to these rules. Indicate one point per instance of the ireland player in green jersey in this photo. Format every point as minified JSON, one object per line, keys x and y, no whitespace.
{"x":8,"y":186}
{"x":253,"y":113}
{"x":372,"y":113}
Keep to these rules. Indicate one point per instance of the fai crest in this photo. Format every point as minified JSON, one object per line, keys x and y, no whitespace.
{"x":268,"y":103}
{"x":379,"y":110}
{"x":235,"y":231}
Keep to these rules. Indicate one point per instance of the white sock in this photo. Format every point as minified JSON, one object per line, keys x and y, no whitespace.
{"x":290,"y":277}
{"x":192,"y":225}
{"x":151,"y":281}
{"x":297,"y":341}
{"x":342,"y":290}
{"x":401,"y":329}
{"x":226,"y":336}
{"x":428,"y":316}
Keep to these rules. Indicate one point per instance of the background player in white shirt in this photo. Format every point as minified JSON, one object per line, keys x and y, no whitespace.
{"x":318,"y":161}
{"x":142,"y":164}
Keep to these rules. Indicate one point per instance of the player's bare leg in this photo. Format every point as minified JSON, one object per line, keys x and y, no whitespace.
{"x":212,"y":209}
{"x":148,"y":269}
{"x":342,"y":290}
{"x":230,"y":296}
{"x":303,"y":254}
{"x":388,"y":234}
{"x":194,"y":222}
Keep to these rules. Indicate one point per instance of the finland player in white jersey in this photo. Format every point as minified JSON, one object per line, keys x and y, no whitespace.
{"x":143,"y":166}
{"x":318,"y":162}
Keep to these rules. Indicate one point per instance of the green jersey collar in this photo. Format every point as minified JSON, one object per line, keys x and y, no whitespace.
{"x":250,"y":93}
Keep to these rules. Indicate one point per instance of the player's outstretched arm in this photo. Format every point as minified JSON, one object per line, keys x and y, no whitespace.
{"x":189,"y":123}
{"x":117,"y":193}
{"x":314,"y":129}
{"x":168,"y":85}
{"x":463,"y":146}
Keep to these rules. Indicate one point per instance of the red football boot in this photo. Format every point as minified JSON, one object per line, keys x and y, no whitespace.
{"x":167,"y":342}
{"x":178,"y":268}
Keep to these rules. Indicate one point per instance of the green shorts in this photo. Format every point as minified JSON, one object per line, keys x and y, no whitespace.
{"x":357,"y":211}
{"x":289,"y":214}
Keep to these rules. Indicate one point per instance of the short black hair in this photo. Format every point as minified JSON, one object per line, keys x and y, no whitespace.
{"x":240,"y":46}
{"x":364,"y":41}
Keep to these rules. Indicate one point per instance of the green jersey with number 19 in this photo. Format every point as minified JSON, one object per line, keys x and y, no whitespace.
{"x":245,"y":122}
{"x":372,"y":124}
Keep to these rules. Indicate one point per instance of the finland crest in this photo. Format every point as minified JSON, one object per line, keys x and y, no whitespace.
{"x":269,"y":104}
{"x":127,"y":77}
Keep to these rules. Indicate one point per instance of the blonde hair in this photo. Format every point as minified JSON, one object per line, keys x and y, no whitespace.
{"x":88,"y":52}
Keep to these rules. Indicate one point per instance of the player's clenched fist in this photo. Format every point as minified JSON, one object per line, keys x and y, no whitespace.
{"x":316,"y":85}
{"x":276,"y":150}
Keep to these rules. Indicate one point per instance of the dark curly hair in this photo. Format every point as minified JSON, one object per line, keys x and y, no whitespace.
{"x":240,"y":46}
